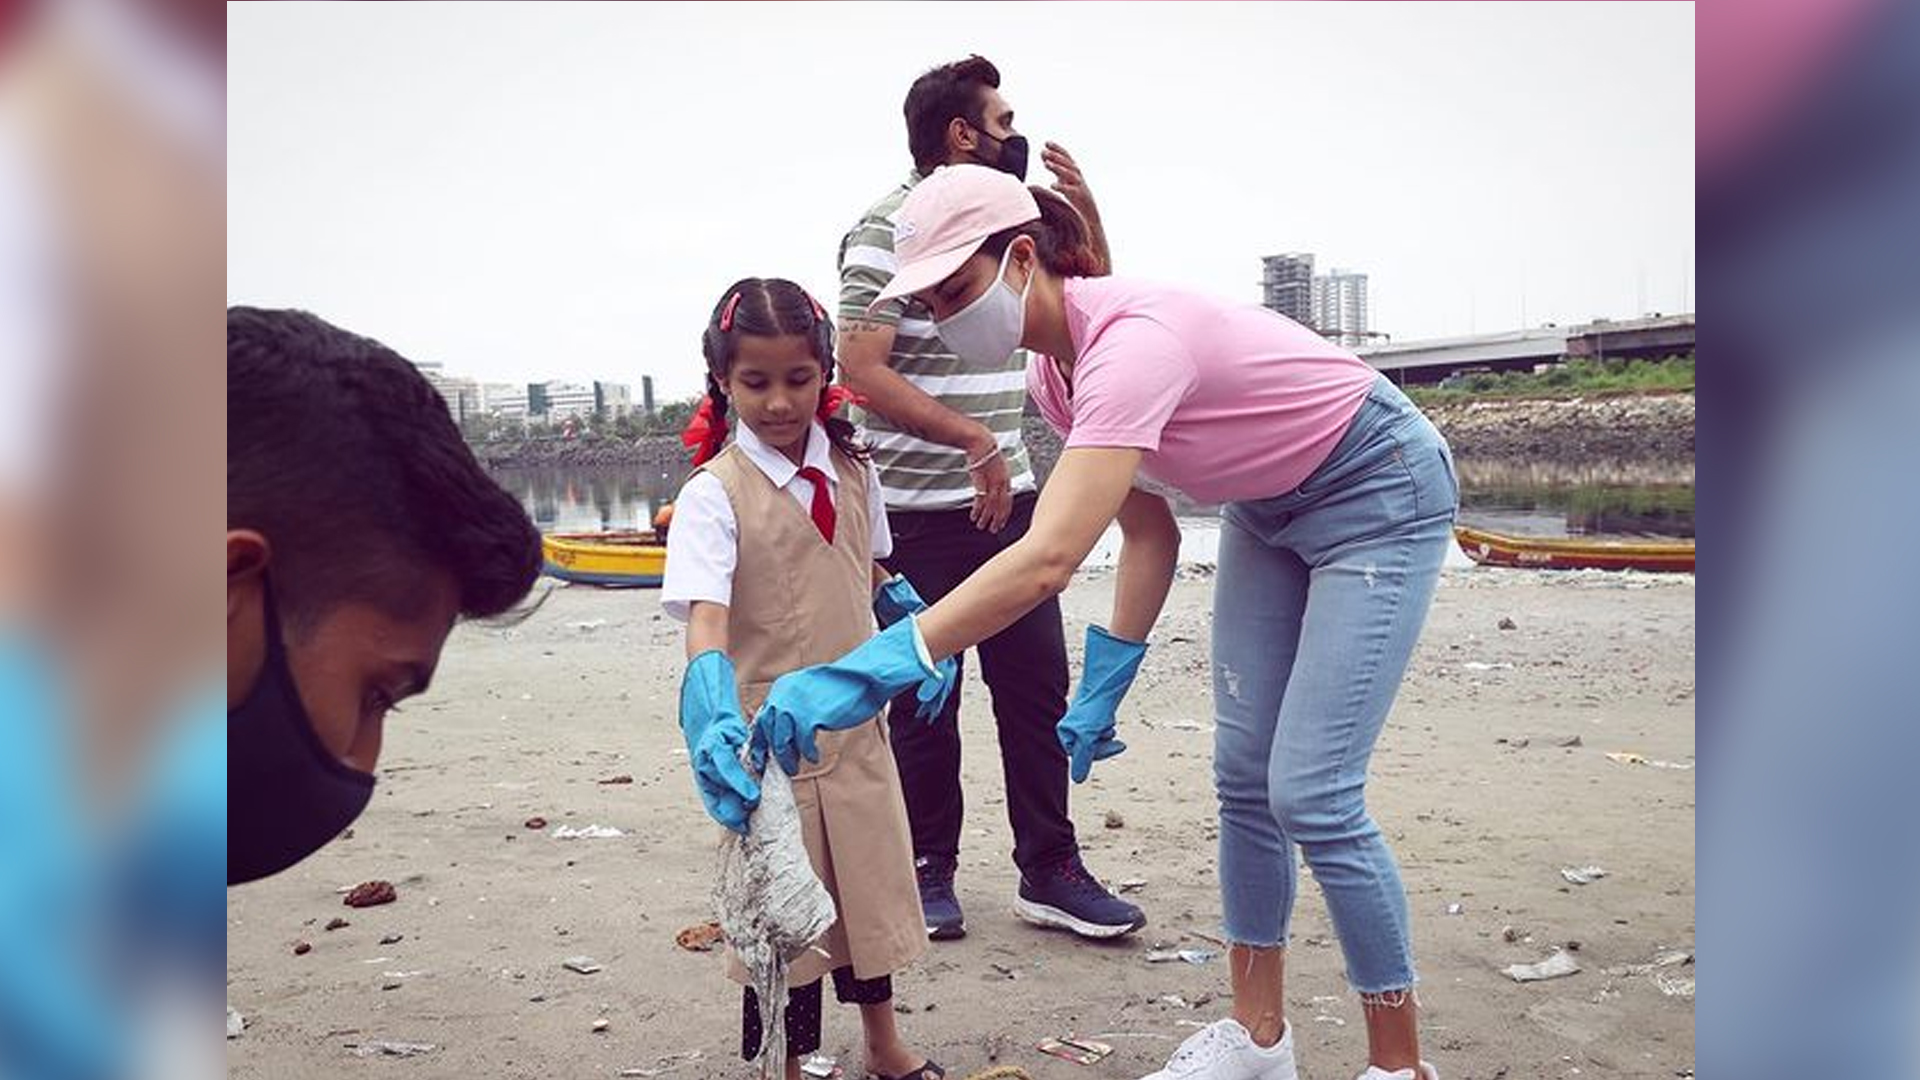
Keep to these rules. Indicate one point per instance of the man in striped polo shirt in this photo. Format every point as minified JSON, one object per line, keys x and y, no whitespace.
{"x":959,"y":489}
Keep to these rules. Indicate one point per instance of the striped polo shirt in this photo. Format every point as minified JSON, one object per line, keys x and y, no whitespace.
{"x":916,"y":474}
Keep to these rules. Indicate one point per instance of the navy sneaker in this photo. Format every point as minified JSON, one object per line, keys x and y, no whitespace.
{"x":941,"y":908}
{"x":1069,"y":897}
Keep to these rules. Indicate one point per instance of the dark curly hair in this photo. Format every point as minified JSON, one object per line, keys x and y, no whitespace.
{"x":345,"y":458}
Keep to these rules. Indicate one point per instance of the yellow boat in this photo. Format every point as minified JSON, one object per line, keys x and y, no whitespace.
{"x":629,"y":559}
{"x":1575,"y":553}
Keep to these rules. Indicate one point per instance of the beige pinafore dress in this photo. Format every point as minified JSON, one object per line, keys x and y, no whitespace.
{"x":797,"y":601}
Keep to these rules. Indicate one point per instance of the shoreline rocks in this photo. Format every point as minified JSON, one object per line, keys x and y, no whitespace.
{"x":1649,"y":427}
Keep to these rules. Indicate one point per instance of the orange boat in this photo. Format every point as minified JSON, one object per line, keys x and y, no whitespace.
{"x":1575,"y":553}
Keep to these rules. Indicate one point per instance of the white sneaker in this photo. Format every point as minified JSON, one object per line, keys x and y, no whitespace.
{"x":1224,"y":1051}
{"x":1375,"y":1072}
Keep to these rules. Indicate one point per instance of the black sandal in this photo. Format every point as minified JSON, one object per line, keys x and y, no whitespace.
{"x":929,"y":1070}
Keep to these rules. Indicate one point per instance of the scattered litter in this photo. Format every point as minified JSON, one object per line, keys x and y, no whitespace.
{"x":1582,"y":875}
{"x":588,"y":626}
{"x":1508,"y":624}
{"x":1628,"y":757}
{"x":337,"y":923}
{"x":403,"y":974}
{"x":371,"y":894}
{"x":601,"y":1025}
{"x":391,"y":1049}
{"x":1080,"y":1051}
{"x":1186,"y":725}
{"x":236,"y":1024}
{"x":1574,"y":741}
{"x":1553,"y":967}
{"x":623,"y":778}
{"x":536,"y":823}
{"x":301,"y":948}
{"x":1132,"y":884}
{"x":1674,"y":985}
{"x":1174,"y":1000}
{"x":1115,"y":821}
{"x":1456,"y":908}
{"x":1662,"y":959}
{"x":590,"y":832}
{"x":1671,"y":983}
{"x":1513,"y":934}
{"x":1482,"y":665}
{"x":821,"y":1067}
{"x":1004,"y":970}
{"x":1191,"y":956}
{"x":393,"y":939}
{"x":700,"y":937}
{"x":583,"y":965}
{"x":1334,"y":1020}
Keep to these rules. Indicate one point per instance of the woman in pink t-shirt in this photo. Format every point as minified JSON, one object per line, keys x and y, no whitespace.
{"x":1339,"y":499}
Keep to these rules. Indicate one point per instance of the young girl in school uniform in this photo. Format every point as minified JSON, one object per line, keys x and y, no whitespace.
{"x":771,"y":565}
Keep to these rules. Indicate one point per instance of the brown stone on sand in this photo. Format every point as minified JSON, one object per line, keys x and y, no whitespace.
{"x":371,"y":893}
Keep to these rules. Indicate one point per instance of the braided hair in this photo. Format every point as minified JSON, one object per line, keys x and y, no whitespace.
{"x":770,"y":307}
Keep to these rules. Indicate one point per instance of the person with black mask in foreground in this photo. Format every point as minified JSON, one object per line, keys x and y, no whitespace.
{"x":359,"y":528}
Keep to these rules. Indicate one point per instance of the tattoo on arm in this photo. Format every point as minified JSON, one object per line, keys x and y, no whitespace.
{"x":904,"y":424}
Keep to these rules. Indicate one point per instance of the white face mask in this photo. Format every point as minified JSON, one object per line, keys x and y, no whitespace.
{"x":989,"y":329}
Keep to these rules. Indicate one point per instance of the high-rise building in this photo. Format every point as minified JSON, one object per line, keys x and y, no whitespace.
{"x":560,"y":400}
{"x":1286,"y":285}
{"x":1340,"y":307}
{"x":611,"y":400}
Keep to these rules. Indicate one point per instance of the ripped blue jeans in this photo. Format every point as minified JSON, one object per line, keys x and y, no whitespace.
{"x":1320,"y":596}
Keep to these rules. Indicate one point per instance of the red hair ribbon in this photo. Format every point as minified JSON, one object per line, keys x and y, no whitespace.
{"x":726,"y":312}
{"x":703,"y":434}
{"x":836,"y":396}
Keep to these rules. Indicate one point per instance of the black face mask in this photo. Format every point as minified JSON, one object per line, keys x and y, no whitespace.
{"x":287,"y":795}
{"x":1012,"y":158}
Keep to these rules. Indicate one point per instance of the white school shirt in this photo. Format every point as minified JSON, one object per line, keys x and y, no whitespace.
{"x":703,"y":544}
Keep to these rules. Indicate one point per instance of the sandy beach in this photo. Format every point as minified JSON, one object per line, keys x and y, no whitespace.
{"x":1494,"y":775}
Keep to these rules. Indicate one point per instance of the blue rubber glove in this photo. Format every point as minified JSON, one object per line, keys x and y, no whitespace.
{"x":59,"y":1017}
{"x":710,"y":719}
{"x":841,"y":694}
{"x":1086,"y":731}
{"x":896,"y":600}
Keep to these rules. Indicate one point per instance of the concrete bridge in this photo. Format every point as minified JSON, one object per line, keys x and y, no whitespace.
{"x":1435,"y":358}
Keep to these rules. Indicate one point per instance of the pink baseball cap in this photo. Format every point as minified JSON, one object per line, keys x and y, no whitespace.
{"x":946,"y":218}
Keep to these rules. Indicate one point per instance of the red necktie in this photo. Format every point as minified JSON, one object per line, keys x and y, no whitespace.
{"x":822,"y":501}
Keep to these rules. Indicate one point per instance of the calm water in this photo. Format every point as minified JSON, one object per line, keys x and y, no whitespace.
{"x":1538,"y":499}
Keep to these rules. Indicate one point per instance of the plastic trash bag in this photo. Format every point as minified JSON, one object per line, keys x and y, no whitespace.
{"x":772,"y":906}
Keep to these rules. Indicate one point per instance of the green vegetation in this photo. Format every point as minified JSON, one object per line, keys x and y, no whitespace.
{"x":667,"y":419}
{"x":1574,"y":378}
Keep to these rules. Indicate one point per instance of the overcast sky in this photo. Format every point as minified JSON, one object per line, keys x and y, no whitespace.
{"x":534,"y":191}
